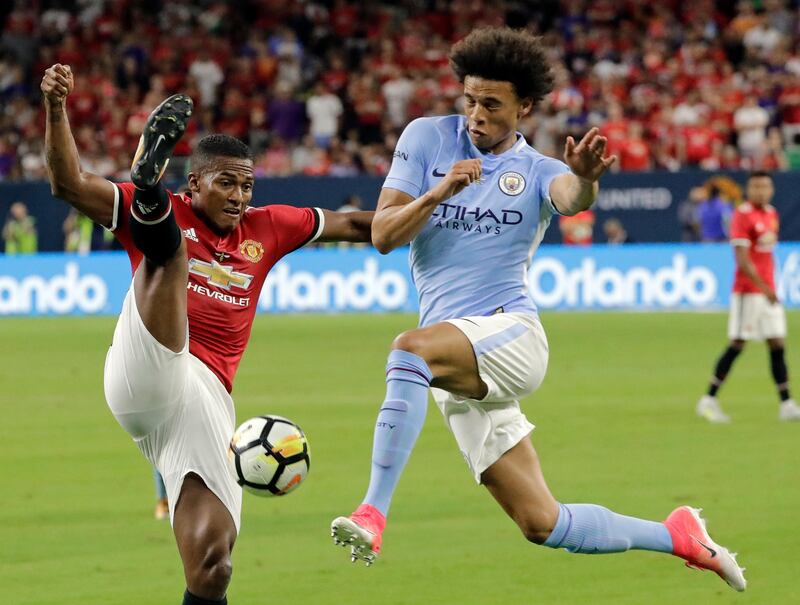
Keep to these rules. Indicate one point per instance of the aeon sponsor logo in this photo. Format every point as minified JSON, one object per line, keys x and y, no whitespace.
{"x":361,"y":289}
{"x":64,"y":293}
{"x":789,"y":279}
{"x":553,"y":285}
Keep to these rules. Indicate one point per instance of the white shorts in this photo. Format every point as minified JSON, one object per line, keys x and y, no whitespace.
{"x":512,"y":353}
{"x":175,"y":408}
{"x":753,"y":317}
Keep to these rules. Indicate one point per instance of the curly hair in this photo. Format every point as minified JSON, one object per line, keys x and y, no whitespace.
{"x":506,"y":55}
{"x":214,"y":146}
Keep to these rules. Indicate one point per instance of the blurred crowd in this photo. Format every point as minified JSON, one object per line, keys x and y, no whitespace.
{"x":324,"y":87}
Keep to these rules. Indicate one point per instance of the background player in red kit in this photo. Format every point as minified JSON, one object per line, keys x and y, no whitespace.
{"x":199,"y":260}
{"x":756,"y":313}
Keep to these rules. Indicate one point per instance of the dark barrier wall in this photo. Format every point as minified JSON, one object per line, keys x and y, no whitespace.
{"x":646,"y":203}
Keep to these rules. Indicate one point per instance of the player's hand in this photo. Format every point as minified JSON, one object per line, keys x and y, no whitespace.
{"x":460,"y":175}
{"x":587,"y":159}
{"x":57,"y":83}
{"x":772,"y":297}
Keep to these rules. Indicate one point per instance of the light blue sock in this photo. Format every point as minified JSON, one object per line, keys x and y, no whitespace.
{"x":161,"y":490}
{"x":593,"y":529}
{"x":399,"y":424}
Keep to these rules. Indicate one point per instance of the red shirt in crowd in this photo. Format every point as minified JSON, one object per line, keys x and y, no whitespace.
{"x":577,"y":230}
{"x":635,"y":155}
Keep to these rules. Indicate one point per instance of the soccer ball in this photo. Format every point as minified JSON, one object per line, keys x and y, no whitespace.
{"x":269,"y":456}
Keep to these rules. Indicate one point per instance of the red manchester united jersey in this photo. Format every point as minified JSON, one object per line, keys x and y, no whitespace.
{"x":755,"y":227}
{"x":226,"y":273}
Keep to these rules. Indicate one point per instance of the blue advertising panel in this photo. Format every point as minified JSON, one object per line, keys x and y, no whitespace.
{"x":635,"y":277}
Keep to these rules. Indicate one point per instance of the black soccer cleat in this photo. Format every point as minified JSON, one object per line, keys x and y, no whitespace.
{"x":164,"y":127}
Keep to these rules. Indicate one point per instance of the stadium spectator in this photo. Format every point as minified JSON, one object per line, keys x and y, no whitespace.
{"x":324,"y":110}
{"x":343,"y":163}
{"x":207,"y":74}
{"x":789,"y":107}
{"x":82,"y":235}
{"x":275,"y":161}
{"x":19,"y":231}
{"x":615,"y":128}
{"x":398,"y":90}
{"x":750,"y":122}
{"x":696,"y":146}
{"x":77,"y":232}
{"x":691,"y":111}
{"x":688,"y":215}
{"x":615,"y":233}
{"x":713,"y":215}
{"x":635,"y":153}
{"x":286,"y":114}
{"x":772,"y":156}
{"x":761,"y":39}
{"x":386,"y":62}
{"x":576,"y":230}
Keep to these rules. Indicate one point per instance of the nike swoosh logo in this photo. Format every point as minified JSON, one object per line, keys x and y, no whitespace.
{"x":160,"y":138}
{"x":708,"y":548}
{"x":438,"y":174}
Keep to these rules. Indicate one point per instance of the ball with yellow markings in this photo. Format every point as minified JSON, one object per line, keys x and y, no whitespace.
{"x":269,"y":456}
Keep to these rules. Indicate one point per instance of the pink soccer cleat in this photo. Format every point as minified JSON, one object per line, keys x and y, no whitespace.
{"x":691,"y":542}
{"x":361,"y":531}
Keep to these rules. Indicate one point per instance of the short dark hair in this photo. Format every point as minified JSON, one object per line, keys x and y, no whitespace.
{"x":758,"y":174}
{"x":214,"y":146}
{"x":506,"y":55}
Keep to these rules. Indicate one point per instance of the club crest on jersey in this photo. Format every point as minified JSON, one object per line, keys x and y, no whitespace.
{"x":222,"y":276}
{"x":512,"y":183}
{"x":252,"y":250}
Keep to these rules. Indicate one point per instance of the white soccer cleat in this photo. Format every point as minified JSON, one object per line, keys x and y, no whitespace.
{"x":789,"y":411}
{"x":691,"y":542}
{"x":709,"y":408}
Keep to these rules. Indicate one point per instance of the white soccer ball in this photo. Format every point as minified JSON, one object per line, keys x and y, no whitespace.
{"x":269,"y":456}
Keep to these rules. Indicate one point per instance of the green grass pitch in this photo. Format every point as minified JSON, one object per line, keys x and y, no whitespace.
{"x":615,"y":425}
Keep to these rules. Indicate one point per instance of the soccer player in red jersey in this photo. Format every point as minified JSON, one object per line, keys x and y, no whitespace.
{"x":200,"y":260}
{"x":756,"y":313}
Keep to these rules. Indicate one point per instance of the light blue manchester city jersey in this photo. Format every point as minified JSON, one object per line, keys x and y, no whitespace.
{"x":472,"y":256}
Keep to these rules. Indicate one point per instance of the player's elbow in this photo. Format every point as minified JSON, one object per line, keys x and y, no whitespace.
{"x":62,"y":188}
{"x":60,"y":191}
{"x":382,"y":242}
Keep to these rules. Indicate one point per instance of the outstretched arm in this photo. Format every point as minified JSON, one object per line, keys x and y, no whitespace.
{"x":346,"y":226}
{"x":90,"y":194}
{"x":575,"y":191}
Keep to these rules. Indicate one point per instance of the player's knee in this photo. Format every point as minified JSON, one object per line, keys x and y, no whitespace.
{"x":411,"y":342}
{"x":536,"y":533}
{"x":537,"y":527}
{"x":212,"y":576}
{"x":737,"y":344}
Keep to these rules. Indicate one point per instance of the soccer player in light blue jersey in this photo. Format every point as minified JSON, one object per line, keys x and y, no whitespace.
{"x":474,"y":199}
